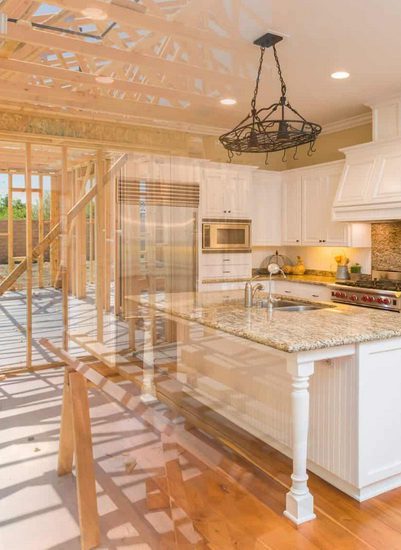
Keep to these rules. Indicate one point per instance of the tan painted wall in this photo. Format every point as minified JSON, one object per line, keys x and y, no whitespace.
{"x":328,"y":145}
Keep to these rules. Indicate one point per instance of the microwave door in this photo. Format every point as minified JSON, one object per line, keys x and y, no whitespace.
{"x":231,"y":237}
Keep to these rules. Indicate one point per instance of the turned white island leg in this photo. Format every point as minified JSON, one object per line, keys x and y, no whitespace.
{"x":299,"y":501}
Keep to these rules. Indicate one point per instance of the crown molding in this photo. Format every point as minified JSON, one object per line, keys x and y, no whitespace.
{"x":347,"y":123}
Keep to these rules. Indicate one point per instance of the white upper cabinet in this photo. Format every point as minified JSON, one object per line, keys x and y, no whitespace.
{"x":313,"y":188}
{"x":319,"y":187}
{"x":291,"y":209}
{"x":308,"y":197}
{"x":225,"y":192}
{"x":213,"y":193}
{"x":266,"y":208}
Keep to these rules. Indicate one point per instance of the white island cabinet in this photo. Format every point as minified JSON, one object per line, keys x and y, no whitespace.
{"x":320,"y":386}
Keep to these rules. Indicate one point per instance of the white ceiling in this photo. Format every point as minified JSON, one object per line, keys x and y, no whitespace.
{"x":360,"y":36}
{"x":173,"y":63}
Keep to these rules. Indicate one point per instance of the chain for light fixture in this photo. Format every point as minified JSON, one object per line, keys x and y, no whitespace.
{"x":259,"y":131}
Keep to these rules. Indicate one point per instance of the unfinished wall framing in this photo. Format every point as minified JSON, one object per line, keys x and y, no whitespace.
{"x":62,"y":199}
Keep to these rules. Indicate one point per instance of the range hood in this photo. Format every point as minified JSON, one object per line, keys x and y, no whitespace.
{"x":370,"y":185}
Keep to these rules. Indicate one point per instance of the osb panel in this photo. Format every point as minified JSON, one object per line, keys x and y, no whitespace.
{"x":123,"y":136}
{"x":386,"y":246}
{"x":90,"y":130}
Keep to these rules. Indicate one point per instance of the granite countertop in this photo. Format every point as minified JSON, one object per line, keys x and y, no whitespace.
{"x":308,"y":279}
{"x":289,"y":331}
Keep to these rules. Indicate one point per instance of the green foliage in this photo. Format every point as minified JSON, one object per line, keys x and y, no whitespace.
{"x":46,"y":207}
{"x":19,"y":208}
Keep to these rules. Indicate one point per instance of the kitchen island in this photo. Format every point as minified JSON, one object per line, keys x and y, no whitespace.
{"x":255,"y":368}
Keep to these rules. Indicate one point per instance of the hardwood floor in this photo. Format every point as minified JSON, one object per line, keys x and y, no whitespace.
{"x":154,"y":493}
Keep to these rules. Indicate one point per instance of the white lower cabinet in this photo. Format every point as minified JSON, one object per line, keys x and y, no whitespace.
{"x":226,"y":265}
{"x":308,"y":291}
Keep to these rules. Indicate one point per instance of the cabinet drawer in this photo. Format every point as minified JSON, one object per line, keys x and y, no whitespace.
{"x":303,"y":290}
{"x":227,"y":271}
{"x":317,"y":292}
{"x":213,"y":287}
{"x":239,"y":258}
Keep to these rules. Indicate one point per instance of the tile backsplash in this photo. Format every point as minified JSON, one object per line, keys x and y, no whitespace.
{"x":386,"y":246}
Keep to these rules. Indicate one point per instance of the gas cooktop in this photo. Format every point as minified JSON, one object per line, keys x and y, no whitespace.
{"x":383,"y":291}
{"x":378,"y":284}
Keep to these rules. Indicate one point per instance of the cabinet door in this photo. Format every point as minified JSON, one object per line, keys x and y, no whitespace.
{"x":266,"y":209}
{"x":314,"y":209}
{"x":213,"y":192}
{"x":291,"y":211}
{"x":319,"y":187}
{"x":237,"y":195}
{"x":337,"y":233}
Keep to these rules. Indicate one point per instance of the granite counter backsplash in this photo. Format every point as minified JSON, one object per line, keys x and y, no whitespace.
{"x":386,"y":246}
{"x":317,"y":272}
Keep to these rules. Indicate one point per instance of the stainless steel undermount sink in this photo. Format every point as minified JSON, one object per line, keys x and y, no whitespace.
{"x":287,"y":305}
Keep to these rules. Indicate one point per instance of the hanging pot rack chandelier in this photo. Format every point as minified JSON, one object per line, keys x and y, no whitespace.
{"x":275,"y":128}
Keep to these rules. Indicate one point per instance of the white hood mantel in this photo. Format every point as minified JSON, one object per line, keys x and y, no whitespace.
{"x":370,"y":185}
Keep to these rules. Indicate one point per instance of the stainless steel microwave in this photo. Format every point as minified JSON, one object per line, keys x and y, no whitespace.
{"x":226,"y":235}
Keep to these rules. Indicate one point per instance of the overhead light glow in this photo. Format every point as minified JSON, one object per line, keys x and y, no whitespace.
{"x":94,"y":13}
{"x":228,"y":101}
{"x":340,"y":75}
{"x":104,"y":79}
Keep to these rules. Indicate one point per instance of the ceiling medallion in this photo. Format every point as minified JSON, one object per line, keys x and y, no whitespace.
{"x":275,"y":128}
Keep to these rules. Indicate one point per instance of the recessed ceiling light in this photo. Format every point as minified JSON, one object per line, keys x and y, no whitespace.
{"x":94,"y":13}
{"x":339,"y":75}
{"x":228,"y":101}
{"x":104,"y":79}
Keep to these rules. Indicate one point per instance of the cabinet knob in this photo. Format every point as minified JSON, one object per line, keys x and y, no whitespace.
{"x":324,"y":240}
{"x":320,"y":240}
{"x":229,"y":211}
{"x":297,"y":241}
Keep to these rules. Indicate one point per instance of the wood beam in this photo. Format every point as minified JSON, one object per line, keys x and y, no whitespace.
{"x":92,"y":103}
{"x":10,"y":225}
{"x":29,"y":259}
{"x":175,"y":70}
{"x":64,"y":243}
{"x":41,"y":221}
{"x":99,"y":244}
{"x":128,"y":19}
{"x":83,"y":78}
{"x":8,"y":282}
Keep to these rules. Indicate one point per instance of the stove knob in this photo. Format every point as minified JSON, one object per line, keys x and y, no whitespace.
{"x":343,"y":295}
{"x":364,"y":298}
{"x":338,"y":294}
{"x":379,"y":300}
{"x":353,"y":297}
{"x":386,"y":301}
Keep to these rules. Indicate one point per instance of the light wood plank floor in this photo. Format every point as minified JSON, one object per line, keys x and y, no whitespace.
{"x":154,"y":495}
